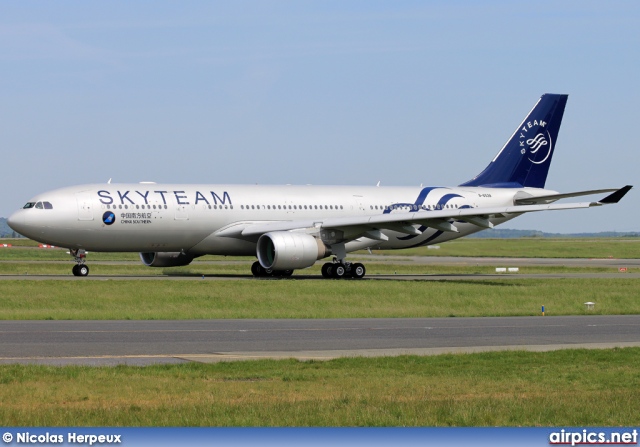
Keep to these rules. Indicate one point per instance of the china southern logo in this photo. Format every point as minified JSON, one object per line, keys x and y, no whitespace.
{"x":538,"y":143}
{"x":108,"y":218}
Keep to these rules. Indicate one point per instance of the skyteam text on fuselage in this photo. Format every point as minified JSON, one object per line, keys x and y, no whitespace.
{"x":292,"y":227}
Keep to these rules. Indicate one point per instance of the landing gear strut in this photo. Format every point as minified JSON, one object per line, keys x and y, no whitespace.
{"x":80,"y":269}
{"x":260,"y":272}
{"x":339,"y":270}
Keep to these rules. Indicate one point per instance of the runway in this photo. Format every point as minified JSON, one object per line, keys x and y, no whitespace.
{"x":298,"y":277}
{"x":405,"y":260}
{"x":148,"y":342}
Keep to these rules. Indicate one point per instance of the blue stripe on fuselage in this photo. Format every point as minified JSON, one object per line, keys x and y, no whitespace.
{"x":419,"y":201}
{"x":441,"y":203}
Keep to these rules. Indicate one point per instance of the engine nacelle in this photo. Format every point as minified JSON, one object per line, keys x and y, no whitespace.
{"x":165,"y":259}
{"x":282,"y":250}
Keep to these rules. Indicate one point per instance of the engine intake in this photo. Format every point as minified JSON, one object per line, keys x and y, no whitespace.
{"x":282,"y":250}
{"x":166,"y":259}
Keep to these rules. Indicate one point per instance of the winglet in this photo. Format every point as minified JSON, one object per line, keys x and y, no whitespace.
{"x":616,"y":196}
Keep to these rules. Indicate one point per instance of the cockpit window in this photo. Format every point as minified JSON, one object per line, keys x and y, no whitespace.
{"x":39,"y":205}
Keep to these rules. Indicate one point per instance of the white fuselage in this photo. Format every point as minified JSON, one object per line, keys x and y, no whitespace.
{"x":189,"y":218}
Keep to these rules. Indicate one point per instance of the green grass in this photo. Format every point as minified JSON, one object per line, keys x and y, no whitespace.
{"x":531,"y":248}
{"x":201,"y":299}
{"x":561,"y":388}
{"x":520,"y":248}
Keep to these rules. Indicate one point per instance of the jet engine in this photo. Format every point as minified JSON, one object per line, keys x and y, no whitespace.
{"x":282,"y":250}
{"x":166,"y":259}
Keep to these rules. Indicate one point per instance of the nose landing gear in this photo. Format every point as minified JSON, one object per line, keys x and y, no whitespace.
{"x":79,"y":255}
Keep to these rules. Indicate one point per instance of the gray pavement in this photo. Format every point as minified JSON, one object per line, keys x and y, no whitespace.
{"x":146,"y":342}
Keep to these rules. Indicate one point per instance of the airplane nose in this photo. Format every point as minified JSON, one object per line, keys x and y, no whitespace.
{"x":16,"y":221}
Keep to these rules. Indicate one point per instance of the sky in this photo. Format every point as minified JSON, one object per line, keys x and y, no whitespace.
{"x":316,"y":92}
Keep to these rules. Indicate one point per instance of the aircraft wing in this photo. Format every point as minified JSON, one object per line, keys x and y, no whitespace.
{"x":526,"y":199}
{"x":404,"y":222}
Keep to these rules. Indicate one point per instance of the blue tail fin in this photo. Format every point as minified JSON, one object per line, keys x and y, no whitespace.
{"x":525,"y":158}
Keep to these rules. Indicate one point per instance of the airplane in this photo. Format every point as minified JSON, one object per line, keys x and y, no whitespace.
{"x":291,"y":227}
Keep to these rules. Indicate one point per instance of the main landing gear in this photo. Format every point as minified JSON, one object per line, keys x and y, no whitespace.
{"x":80,"y":269}
{"x":339,"y":270}
{"x":335,"y":270}
{"x":260,"y":272}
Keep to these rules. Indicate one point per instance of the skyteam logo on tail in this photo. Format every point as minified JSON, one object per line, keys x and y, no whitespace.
{"x":540,"y":142}
{"x":536,"y":143}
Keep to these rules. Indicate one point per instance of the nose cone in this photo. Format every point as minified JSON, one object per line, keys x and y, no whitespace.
{"x":16,"y":221}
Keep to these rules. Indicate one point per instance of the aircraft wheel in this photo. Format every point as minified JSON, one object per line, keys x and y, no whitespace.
{"x":339,"y":271}
{"x":256,"y":269}
{"x":83,"y":270}
{"x":286,"y":273}
{"x":358,"y":270}
{"x":74,"y":270}
{"x":327,"y":269}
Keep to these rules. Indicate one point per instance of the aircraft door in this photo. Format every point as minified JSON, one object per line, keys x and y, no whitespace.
{"x":359,"y":205}
{"x":85,"y":206}
{"x":182,"y":213}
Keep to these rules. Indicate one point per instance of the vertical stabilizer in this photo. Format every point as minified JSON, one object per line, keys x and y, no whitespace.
{"x":525,"y":158}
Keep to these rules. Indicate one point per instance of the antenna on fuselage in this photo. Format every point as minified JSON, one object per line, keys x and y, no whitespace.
{"x":109,"y":182}
{"x":378,"y":184}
